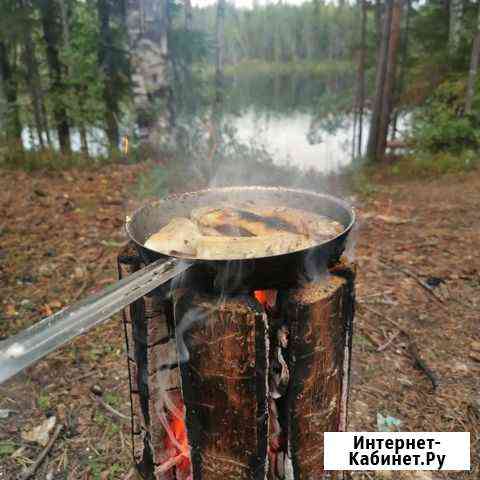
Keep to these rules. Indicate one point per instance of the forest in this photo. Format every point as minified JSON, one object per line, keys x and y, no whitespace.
{"x":108,"y":106}
{"x":68,"y":85}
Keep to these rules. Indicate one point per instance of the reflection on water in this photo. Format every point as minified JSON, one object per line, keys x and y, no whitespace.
{"x":300,"y":119}
{"x":297,"y":138}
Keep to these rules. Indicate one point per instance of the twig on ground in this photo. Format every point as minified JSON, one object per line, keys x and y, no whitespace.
{"x":412,"y":348}
{"x":108,"y":407}
{"x":421,"y":365}
{"x":419,"y":281}
{"x":30,"y":471}
{"x":383,"y":347}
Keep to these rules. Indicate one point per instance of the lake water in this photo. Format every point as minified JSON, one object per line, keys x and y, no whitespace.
{"x":289,"y":139}
{"x":299,"y":119}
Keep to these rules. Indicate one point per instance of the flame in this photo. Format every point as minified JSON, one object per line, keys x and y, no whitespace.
{"x":261,"y":296}
{"x":177,"y":443}
{"x":268,"y":298}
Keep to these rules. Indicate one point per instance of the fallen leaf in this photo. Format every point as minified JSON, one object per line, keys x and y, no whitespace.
{"x":40,"y":433}
{"x":45,"y":310}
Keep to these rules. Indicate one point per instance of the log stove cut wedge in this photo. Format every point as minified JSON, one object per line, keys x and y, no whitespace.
{"x":238,"y":385}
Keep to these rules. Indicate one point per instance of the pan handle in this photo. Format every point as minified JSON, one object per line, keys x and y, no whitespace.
{"x":33,"y":343}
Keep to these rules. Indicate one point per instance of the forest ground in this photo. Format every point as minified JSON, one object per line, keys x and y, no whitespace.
{"x":59,"y":237}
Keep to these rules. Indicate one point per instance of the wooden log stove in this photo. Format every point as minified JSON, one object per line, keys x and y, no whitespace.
{"x":238,"y":385}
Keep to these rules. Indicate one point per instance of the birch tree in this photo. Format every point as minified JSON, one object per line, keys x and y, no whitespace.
{"x":473,"y":72}
{"x":455,"y":24}
{"x":147,"y":24}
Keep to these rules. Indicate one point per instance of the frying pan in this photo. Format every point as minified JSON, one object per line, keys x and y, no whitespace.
{"x":275,"y":271}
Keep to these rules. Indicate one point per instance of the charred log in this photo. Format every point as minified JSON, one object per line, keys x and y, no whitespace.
{"x":222,"y":346}
{"x":320,"y":317}
{"x":154,"y":381}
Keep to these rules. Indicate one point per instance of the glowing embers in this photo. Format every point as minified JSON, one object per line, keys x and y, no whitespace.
{"x":178,"y":465}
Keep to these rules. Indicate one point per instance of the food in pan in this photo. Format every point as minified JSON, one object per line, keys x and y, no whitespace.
{"x":244,"y":231}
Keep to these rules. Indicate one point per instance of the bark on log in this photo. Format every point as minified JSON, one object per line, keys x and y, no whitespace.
{"x":320,"y":316}
{"x":222,"y":346}
{"x":154,"y":377}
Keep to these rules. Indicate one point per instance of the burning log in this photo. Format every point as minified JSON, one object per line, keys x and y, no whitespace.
{"x":154,"y":384}
{"x":222,"y":345}
{"x":320,"y":316}
{"x":238,"y":386}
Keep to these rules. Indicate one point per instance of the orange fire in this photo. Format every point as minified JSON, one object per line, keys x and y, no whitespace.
{"x":268,"y":298}
{"x":179,"y":432}
{"x":176,"y":444}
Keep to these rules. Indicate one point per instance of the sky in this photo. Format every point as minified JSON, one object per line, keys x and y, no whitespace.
{"x":243,"y":3}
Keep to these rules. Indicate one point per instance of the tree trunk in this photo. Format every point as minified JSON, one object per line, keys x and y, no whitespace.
{"x":13,"y":126}
{"x":45,"y":122}
{"x":83,"y":139}
{"x":379,"y":83}
{"x":33,"y":82}
{"x":52,"y":36}
{"x":361,"y":77}
{"x":107,"y":65}
{"x":219,"y":50}
{"x":401,"y":81}
{"x":147,"y":22}
{"x":65,"y":27}
{"x":378,"y":23}
{"x":472,"y":75}
{"x":455,"y":25}
{"x":188,"y":15}
{"x":389,"y":87}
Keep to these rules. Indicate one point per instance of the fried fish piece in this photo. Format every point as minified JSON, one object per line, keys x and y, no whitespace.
{"x":247,"y":220}
{"x":179,"y":236}
{"x":233,"y":221}
{"x":229,"y":248}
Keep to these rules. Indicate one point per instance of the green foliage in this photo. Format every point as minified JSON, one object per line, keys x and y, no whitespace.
{"x":278,"y":32}
{"x":12,"y":156}
{"x":428,"y":164}
{"x":440,"y":124}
